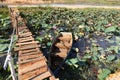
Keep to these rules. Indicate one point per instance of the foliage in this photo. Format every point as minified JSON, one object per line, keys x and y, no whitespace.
{"x":92,"y":2}
{"x":44,"y":21}
{"x":4,"y":73}
{"x":103,"y":73}
{"x":5,"y":32}
{"x":99,"y":27}
{"x":4,"y":12}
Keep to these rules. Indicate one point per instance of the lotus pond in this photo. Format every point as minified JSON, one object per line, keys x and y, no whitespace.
{"x":96,"y":34}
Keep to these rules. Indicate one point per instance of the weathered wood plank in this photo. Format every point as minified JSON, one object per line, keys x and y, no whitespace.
{"x":63,"y":50}
{"x":64,"y":36}
{"x":63,"y":45}
{"x":30,"y":57}
{"x":29,"y":51}
{"x":53,"y":78}
{"x":29,"y":75}
{"x":31,"y":62}
{"x":32,"y":67}
{"x":25,"y":40}
{"x":32,"y":42}
{"x":26,"y":61}
{"x":62,"y":54}
{"x":43,"y":76}
{"x":27,"y":47}
{"x":25,"y":34}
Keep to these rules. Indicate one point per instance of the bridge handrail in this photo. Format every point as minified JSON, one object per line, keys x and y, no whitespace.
{"x":9,"y":57}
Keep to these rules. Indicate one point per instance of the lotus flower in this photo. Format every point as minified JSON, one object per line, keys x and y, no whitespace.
{"x":76,"y":37}
{"x":108,"y":25}
{"x":119,"y":24}
{"x":54,"y":27}
{"x":81,"y":26}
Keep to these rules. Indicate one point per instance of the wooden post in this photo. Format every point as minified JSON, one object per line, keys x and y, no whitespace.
{"x":16,"y":25}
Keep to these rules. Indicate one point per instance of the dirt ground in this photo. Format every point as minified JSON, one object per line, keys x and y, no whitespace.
{"x":52,"y":3}
{"x":30,"y":1}
{"x":73,"y":6}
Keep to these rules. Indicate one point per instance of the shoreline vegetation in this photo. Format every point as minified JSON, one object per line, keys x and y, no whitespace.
{"x":87,"y":2}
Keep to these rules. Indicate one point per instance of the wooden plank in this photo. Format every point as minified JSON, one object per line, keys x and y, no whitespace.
{"x":25,"y":40}
{"x":63,"y":45}
{"x":25,"y":34}
{"x":31,"y":53}
{"x":29,"y":50}
{"x":62,"y":54}
{"x":27,"y":47}
{"x":30,"y":57}
{"x":53,"y":78}
{"x":63,"y":50}
{"x":68,"y":38}
{"x":29,"y":75}
{"x":30,"y":63}
{"x":26,"y":61}
{"x":32,"y":67}
{"x":23,"y":31}
{"x":33,"y":42}
{"x":65,"y":36}
{"x":43,"y":76}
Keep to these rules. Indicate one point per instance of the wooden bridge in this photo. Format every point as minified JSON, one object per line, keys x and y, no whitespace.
{"x":32,"y":64}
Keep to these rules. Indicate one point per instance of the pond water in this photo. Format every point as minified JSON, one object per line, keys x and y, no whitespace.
{"x":103,"y":42}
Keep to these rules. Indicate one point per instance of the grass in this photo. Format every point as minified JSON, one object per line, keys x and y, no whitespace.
{"x":4,"y":12}
{"x":95,"y":2}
